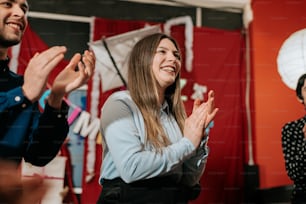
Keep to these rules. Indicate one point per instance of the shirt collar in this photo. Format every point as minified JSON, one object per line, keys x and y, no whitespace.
{"x":4,"y":65}
{"x":165,"y":107}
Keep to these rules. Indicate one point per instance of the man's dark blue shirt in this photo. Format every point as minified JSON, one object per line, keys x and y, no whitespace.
{"x":25,"y":130}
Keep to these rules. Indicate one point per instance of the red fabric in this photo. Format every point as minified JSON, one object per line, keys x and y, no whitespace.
{"x":218,"y":64}
{"x":107,"y":28}
{"x":31,"y":43}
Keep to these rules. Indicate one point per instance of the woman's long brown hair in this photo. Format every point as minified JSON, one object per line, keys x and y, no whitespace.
{"x":143,"y":90}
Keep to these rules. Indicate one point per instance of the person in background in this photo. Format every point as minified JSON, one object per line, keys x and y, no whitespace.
{"x":25,"y":131}
{"x":294,"y":147}
{"x":153,"y":152}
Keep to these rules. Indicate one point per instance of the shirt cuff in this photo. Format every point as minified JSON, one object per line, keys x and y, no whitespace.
{"x":203,"y":151}
{"x":15,"y":97}
{"x":59,"y":113}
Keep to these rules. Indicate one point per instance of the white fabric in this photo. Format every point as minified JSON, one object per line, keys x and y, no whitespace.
{"x":53,"y":174}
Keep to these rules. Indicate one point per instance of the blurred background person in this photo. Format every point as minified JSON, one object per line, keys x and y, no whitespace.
{"x":294,"y":147}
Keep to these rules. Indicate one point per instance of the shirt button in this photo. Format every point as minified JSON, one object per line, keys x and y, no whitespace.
{"x":17,"y":98}
{"x":59,"y":115}
{"x":23,"y":105}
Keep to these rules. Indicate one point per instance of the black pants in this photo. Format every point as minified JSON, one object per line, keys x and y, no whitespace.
{"x":151,"y":191}
{"x":298,"y":195}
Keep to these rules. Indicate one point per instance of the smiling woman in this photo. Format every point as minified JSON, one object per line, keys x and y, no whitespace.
{"x":166,"y":66}
{"x":150,"y":147}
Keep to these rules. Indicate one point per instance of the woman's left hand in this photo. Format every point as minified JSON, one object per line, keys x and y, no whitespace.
{"x":202,"y":114}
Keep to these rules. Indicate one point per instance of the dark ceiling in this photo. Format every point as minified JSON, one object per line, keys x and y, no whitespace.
{"x":75,"y":35}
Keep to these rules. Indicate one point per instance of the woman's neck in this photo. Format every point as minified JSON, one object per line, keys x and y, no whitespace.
{"x":161,"y":96}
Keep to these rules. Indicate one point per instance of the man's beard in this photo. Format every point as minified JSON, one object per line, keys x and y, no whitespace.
{"x":8,"y":43}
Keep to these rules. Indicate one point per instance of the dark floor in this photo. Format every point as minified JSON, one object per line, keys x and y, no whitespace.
{"x":279,"y":194}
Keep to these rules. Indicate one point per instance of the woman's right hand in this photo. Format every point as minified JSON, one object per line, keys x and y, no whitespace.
{"x":202,"y":114}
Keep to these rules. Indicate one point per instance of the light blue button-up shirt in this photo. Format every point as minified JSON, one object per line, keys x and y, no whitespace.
{"x":126,"y":154}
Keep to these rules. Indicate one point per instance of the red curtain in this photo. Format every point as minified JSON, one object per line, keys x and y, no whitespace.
{"x":218,"y":64}
{"x":31,"y":43}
